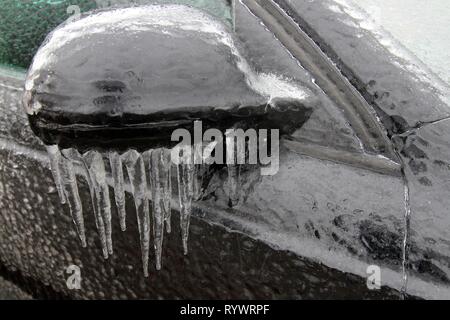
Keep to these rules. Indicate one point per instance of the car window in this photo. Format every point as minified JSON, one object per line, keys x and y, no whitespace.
{"x":423,"y":29}
{"x":24,"y":24}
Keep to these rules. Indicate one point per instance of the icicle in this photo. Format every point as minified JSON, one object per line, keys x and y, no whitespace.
{"x":136,"y":173}
{"x":197,"y":181}
{"x":97,"y":176}
{"x":119,"y":193}
{"x":235,"y":157}
{"x":233,"y":183}
{"x":155,"y":168}
{"x":55,"y":159}
{"x":166,"y":181}
{"x":405,"y":246}
{"x":185,"y":173}
{"x":198,"y":172}
{"x":76,"y":157}
{"x":72,"y":197}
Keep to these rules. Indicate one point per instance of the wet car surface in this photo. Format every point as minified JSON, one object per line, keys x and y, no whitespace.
{"x":332,"y":202}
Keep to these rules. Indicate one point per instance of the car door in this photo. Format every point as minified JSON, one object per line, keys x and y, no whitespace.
{"x":338,"y":198}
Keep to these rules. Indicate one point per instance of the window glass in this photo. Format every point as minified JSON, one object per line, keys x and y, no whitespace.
{"x":421,"y":26}
{"x":25,"y":23}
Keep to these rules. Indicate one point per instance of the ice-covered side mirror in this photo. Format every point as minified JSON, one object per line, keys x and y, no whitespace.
{"x":115,"y":84}
{"x":128,"y":77}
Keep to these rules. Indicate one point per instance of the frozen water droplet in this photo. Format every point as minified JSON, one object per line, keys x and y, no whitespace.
{"x":136,"y":173}
{"x":55,"y":160}
{"x":72,"y":196}
{"x":119,"y":193}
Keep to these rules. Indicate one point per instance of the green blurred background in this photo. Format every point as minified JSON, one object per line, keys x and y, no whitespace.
{"x":25,"y":23}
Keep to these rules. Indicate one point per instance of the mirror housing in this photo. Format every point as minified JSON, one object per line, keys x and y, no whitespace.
{"x":129,"y":77}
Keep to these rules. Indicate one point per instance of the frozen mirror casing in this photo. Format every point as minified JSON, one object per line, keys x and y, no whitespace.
{"x":127,"y":78}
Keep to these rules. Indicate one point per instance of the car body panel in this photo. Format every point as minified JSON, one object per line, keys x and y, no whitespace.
{"x":332,"y":211}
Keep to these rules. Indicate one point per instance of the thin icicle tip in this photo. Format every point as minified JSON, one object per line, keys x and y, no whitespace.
{"x":55,"y":163}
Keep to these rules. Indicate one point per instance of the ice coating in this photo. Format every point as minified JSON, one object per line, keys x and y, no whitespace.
{"x":172,"y":20}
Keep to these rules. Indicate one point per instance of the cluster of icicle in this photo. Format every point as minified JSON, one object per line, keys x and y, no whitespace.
{"x":66,"y":163}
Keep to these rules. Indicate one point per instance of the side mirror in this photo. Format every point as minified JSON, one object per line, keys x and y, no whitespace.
{"x":126,"y":78}
{"x":122,"y":81}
